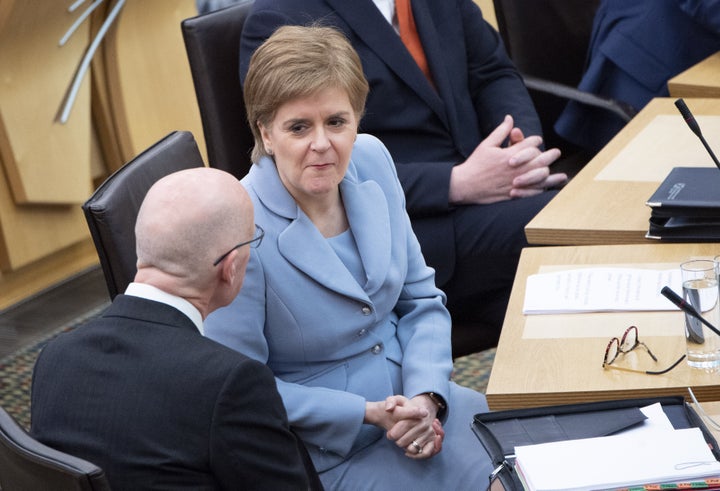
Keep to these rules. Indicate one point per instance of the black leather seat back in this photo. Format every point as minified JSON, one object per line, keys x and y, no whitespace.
{"x":28,"y":465}
{"x":212,"y":42}
{"x":112,"y":209}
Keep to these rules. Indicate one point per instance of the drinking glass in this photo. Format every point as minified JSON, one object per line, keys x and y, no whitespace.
{"x":700,"y":290}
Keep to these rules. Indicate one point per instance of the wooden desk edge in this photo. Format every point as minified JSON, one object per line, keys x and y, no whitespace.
{"x":499,"y":402}
{"x":554,"y":236}
{"x":547,"y":229}
{"x":505,"y":396}
{"x":679,"y":89}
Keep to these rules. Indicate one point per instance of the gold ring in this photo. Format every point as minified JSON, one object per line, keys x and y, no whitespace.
{"x":417,"y":446}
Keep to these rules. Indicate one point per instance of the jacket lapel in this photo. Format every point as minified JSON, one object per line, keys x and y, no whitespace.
{"x":305,"y":248}
{"x":301,"y":244}
{"x":430,"y":39}
{"x":364,"y":19}
{"x":369,"y":218}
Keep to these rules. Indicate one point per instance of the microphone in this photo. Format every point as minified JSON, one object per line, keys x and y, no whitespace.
{"x":694,"y":331}
{"x":695,"y":127}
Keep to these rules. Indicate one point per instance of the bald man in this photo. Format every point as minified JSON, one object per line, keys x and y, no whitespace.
{"x":139,"y":391}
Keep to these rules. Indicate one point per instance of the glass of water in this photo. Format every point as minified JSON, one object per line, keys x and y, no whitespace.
{"x":700,"y":290}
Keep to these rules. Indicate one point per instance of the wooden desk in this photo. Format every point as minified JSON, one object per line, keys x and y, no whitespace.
{"x":557,"y":359}
{"x":594,"y":209}
{"x":701,"y":80}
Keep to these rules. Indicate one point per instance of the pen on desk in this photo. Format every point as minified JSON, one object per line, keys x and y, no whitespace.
{"x":686,"y":307}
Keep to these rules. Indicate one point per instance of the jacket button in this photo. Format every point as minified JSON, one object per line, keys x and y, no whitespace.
{"x":376,"y":349}
{"x":362,"y":332}
{"x":366,"y":310}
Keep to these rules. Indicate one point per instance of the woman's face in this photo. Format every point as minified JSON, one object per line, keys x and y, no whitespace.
{"x":311,"y":139}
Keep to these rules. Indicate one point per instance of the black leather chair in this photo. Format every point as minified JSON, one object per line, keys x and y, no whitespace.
{"x":28,"y":465}
{"x":112,"y":209}
{"x":548,"y":42}
{"x":212,"y":42}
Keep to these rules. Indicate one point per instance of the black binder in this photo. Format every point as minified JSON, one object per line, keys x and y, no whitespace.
{"x":686,"y":206}
{"x":500,"y":432}
{"x":684,"y":229}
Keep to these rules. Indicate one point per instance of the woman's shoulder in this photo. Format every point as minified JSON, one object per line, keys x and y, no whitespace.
{"x":370,"y":158}
{"x":366,"y":142}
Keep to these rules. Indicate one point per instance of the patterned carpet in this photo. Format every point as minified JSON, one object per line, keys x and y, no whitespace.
{"x":473,"y":370}
{"x":16,"y":373}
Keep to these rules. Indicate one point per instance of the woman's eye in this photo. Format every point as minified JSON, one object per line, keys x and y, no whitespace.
{"x":337,"y":122}
{"x":297,"y":128}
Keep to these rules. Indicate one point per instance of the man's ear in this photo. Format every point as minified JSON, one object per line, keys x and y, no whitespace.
{"x":229,"y":267}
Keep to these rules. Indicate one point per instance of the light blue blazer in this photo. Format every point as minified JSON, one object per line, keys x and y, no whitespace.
{"x":332,"y":342}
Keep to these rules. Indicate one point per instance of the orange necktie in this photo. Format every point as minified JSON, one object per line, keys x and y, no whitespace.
{"x":409,"y":35}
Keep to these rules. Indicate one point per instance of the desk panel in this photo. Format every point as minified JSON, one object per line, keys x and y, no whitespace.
{"x":592,"y":210}
{"x":543,"y":370}
{"x":700,"y":80}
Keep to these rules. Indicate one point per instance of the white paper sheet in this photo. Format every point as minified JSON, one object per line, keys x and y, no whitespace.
{"x":600,"y":290}
{"x":620,"y":460}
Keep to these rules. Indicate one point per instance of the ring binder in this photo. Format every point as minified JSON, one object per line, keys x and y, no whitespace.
{"x":501,"y":431}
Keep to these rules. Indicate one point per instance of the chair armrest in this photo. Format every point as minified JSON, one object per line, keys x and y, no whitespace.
{"x":623,"y":110}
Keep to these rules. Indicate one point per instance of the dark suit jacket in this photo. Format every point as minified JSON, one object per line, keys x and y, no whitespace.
{"x":636,"y":47}
{"x":427,"y":131}
{"x":142,"y":394}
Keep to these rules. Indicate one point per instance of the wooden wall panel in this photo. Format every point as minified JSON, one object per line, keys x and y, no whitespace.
{"x":44,"y":161}
{"x":141,"y":89}
{"x":148,"y":75}
{"x":30,"y":232}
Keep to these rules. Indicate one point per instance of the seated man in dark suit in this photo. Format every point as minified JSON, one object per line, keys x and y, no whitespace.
{"x":635,"y":48}
{"x":473,"y":176}
{"x":140,"y":391}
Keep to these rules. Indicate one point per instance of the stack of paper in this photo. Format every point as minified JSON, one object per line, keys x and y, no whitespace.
{"x":600,"y":290}
{"x":616,"y":462}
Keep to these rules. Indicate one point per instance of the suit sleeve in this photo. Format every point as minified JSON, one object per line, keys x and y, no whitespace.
{"x":496,"y":86}
{"x":423,"y":321}
{"x":252,"y":446}
{"x":704,"y":12}
{"x":496,"y":89}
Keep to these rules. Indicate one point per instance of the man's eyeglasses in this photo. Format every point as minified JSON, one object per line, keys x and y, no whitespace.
{"x":254,"y":242}
{"x":626,"y":344}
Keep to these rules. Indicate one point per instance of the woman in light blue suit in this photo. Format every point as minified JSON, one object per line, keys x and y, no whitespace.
{"x":339,"y":301}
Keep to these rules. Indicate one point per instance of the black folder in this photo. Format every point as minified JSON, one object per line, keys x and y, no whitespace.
{"x":501,"y":431}
{"x":684,"y":229}
{"x":686,"y":206}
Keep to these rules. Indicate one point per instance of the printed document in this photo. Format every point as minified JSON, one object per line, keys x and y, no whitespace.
{"x":600,"y":290}
{"x":616,"y":461}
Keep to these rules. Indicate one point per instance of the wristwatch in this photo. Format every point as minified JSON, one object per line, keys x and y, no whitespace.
{"x":437,"y":400}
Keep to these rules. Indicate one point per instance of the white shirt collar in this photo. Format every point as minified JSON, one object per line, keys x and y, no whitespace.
{"x":387,"y":8}
{"x":149,"y":292}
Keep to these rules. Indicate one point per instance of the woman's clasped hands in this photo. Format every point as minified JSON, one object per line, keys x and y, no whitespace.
{"x":411,"y":423}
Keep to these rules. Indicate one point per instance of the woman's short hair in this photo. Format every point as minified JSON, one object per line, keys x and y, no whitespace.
{"x":298,"y":62}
